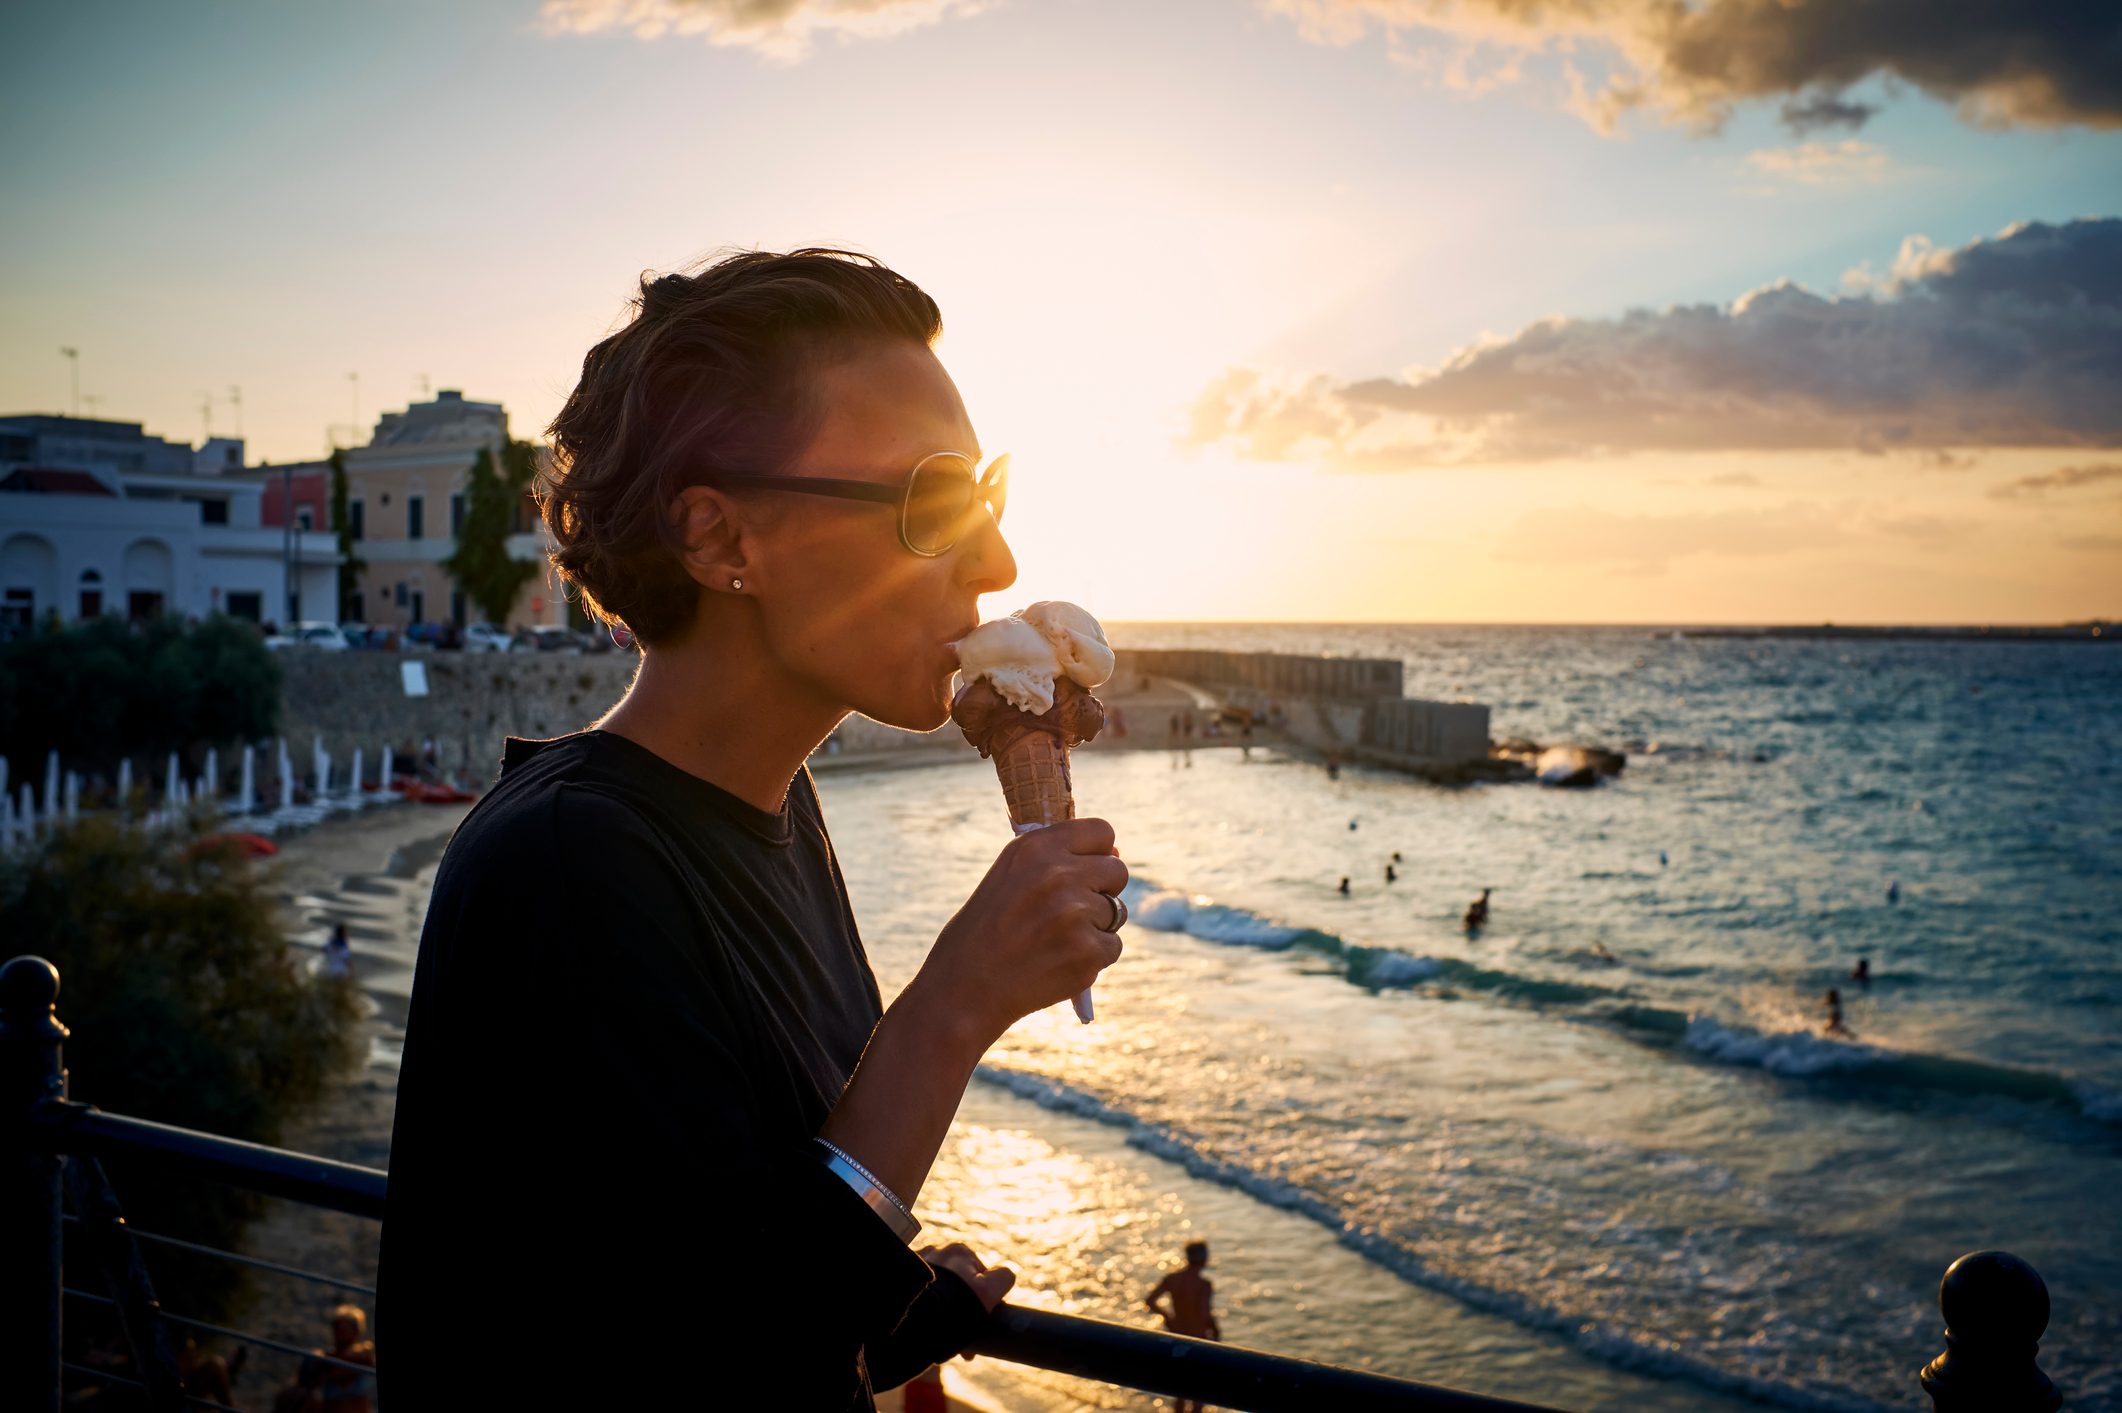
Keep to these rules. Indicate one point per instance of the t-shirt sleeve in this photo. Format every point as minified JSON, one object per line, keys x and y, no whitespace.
{"x":683,"y":1150}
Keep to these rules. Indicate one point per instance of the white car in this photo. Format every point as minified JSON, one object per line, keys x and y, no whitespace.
{"x":310,"y":635}
{"x":485,"y":638}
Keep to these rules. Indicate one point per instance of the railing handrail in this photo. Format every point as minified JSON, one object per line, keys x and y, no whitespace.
{"x":1995,"y":1305}
{"x":1155,"y":1362}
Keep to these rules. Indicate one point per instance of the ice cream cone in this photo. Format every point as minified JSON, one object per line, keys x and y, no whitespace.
{"x":1035,"y":781}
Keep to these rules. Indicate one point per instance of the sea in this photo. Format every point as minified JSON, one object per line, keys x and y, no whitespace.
{"x":1600,"y":1154}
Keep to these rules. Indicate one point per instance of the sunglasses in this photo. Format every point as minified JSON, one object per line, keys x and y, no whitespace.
{"x":935,"y":502}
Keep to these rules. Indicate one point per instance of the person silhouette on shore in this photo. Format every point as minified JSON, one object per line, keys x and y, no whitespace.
{"x":1862,"y":974}
{"x":1344,"y":886}
{"x":1391,"y":874}
{"x":338,"y":953}
{"x":1191,"y":1296}
{"x":1833,"y":1002}
{"x":1477,"y":911}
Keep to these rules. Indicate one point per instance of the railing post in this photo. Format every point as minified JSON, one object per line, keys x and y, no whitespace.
{"x":31,"y":1074}
{"x":1996,"y":1308}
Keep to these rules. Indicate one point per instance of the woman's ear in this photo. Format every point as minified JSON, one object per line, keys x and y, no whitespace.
{"x":713,"y":535}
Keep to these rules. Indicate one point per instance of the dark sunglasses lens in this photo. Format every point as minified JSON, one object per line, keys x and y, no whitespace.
{"x":936,"y":501}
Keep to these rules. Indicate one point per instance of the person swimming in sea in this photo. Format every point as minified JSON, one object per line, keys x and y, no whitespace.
{"x":1392,"y":875}
{"x":1862,"y":973}
{"x":1343,"y":890}
{"x":1833,"y":1003}
{"x":1477,"y":911}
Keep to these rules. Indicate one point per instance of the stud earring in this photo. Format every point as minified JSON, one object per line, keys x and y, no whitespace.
{"x":736,"y":583}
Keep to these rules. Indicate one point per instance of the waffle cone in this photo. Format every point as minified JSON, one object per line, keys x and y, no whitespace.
{"x":1035,"y":781}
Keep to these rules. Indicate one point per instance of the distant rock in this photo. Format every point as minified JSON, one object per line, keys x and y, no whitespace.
{"x":1576,"y":767}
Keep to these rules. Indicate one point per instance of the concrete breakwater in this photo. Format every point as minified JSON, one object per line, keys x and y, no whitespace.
{"x":1351,"y":707}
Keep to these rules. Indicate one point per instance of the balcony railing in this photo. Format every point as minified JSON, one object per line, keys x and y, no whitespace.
{"x":52,"y":1150}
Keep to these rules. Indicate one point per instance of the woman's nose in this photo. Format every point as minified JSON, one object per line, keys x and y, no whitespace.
{"x":986,"y":565}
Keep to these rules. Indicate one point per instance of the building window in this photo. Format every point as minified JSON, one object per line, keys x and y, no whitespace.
{"x":456,"y":607}
{"x":142,"y":604}
{"x":356,"y":521}
{"x":415,"y":517}
{"x":419,"y":606}
{"x":18,"y":608}
{"x":213,"y":512}
{"x":355,"y":611}
{"x":248,"y":606}
{"x":400,"y":595}
{"x":456,"y":515}
{"x":304,"y":518}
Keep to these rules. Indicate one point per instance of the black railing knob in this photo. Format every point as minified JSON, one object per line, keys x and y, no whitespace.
{"x":30,"y":1035}
{"x":1996,"y":1309}
{"x":29,"y":986}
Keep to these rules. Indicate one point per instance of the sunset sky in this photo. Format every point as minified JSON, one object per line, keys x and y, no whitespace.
{"x":1315,"y":309}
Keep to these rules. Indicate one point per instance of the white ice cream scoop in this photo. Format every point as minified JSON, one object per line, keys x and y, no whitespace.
{"x":1015,"y":658}
{"x":1078,"y":642}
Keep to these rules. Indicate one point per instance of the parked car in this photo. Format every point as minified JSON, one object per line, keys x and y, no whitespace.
{"x":547,"y":638}
{"x":485,"y":638}
{"x":325,"y":636}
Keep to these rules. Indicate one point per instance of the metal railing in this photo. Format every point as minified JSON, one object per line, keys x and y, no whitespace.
{"x":1995,"y":1305}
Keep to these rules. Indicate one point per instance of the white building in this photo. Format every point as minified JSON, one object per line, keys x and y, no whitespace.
{"x":96,"y":517}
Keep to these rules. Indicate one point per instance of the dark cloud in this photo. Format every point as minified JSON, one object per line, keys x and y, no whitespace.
{"x":1825,"y":110}
{"x":2060,"y":479}
{"x":2009,"y":342}
{"x":2040,"y":63}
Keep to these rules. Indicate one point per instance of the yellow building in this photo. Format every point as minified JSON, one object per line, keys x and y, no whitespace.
{"x":405,"y":503}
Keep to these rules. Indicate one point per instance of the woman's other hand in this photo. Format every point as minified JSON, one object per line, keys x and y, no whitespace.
{"x":1033,"y":933}
{"x":989,"y":1283}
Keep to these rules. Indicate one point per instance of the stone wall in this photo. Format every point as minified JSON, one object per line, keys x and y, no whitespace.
{"x":473,"y":701}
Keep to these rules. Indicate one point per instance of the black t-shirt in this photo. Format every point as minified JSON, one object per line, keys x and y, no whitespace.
{"x":637,"y":999}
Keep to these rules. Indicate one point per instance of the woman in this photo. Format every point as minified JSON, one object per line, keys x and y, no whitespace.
{"x":648,"y":1078}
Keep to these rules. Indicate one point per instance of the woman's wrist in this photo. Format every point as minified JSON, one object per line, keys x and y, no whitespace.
{"x":940,"y":1021}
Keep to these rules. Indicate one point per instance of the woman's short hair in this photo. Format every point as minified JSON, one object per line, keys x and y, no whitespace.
{"x":715,"y":371}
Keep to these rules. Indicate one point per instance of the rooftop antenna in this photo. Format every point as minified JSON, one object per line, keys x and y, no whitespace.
{"x":94,"y":400}
{"x":206,"y":418}
{"x":235,"y":400}
{"x":353,"y":426}
{"x":424,"y":386}
{"x":73,"y":357}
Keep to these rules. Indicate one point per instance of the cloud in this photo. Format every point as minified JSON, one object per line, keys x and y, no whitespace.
{"x":1825,"y":110}
{"x":2059,"y":479}
{"x":2014,"y":341}
{"x":1845,"y":163}
{"x":2038,"y":63}
{"x":779,"y":29}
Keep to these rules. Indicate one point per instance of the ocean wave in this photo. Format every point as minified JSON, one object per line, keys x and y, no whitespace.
{"x":1601,"y":1341}
{"x":1795,"y":1054}
{"x":1806,"y":1055}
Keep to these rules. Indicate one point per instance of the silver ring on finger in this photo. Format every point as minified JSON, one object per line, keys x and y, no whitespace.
{"x":1119,"y":913}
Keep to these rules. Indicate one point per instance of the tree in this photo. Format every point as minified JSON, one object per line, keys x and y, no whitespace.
{"x":104,"y":689}
{"x":187,"y":1007}
{"x":481,"y":563}
{"x":350,"y":564}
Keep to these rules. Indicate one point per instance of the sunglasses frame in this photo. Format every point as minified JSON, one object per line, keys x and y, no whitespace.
{"x":883,"y":493}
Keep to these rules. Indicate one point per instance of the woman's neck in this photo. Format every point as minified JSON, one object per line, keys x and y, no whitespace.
{"x":725,"y":717}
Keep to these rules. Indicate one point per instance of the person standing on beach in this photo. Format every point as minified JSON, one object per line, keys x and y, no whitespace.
{"x":1185,"y":1300}
{"x":648,"y":1072}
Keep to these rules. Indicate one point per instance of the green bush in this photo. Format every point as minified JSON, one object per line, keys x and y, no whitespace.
{"x":186,"y":1007}
{"x":103,"y":689}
